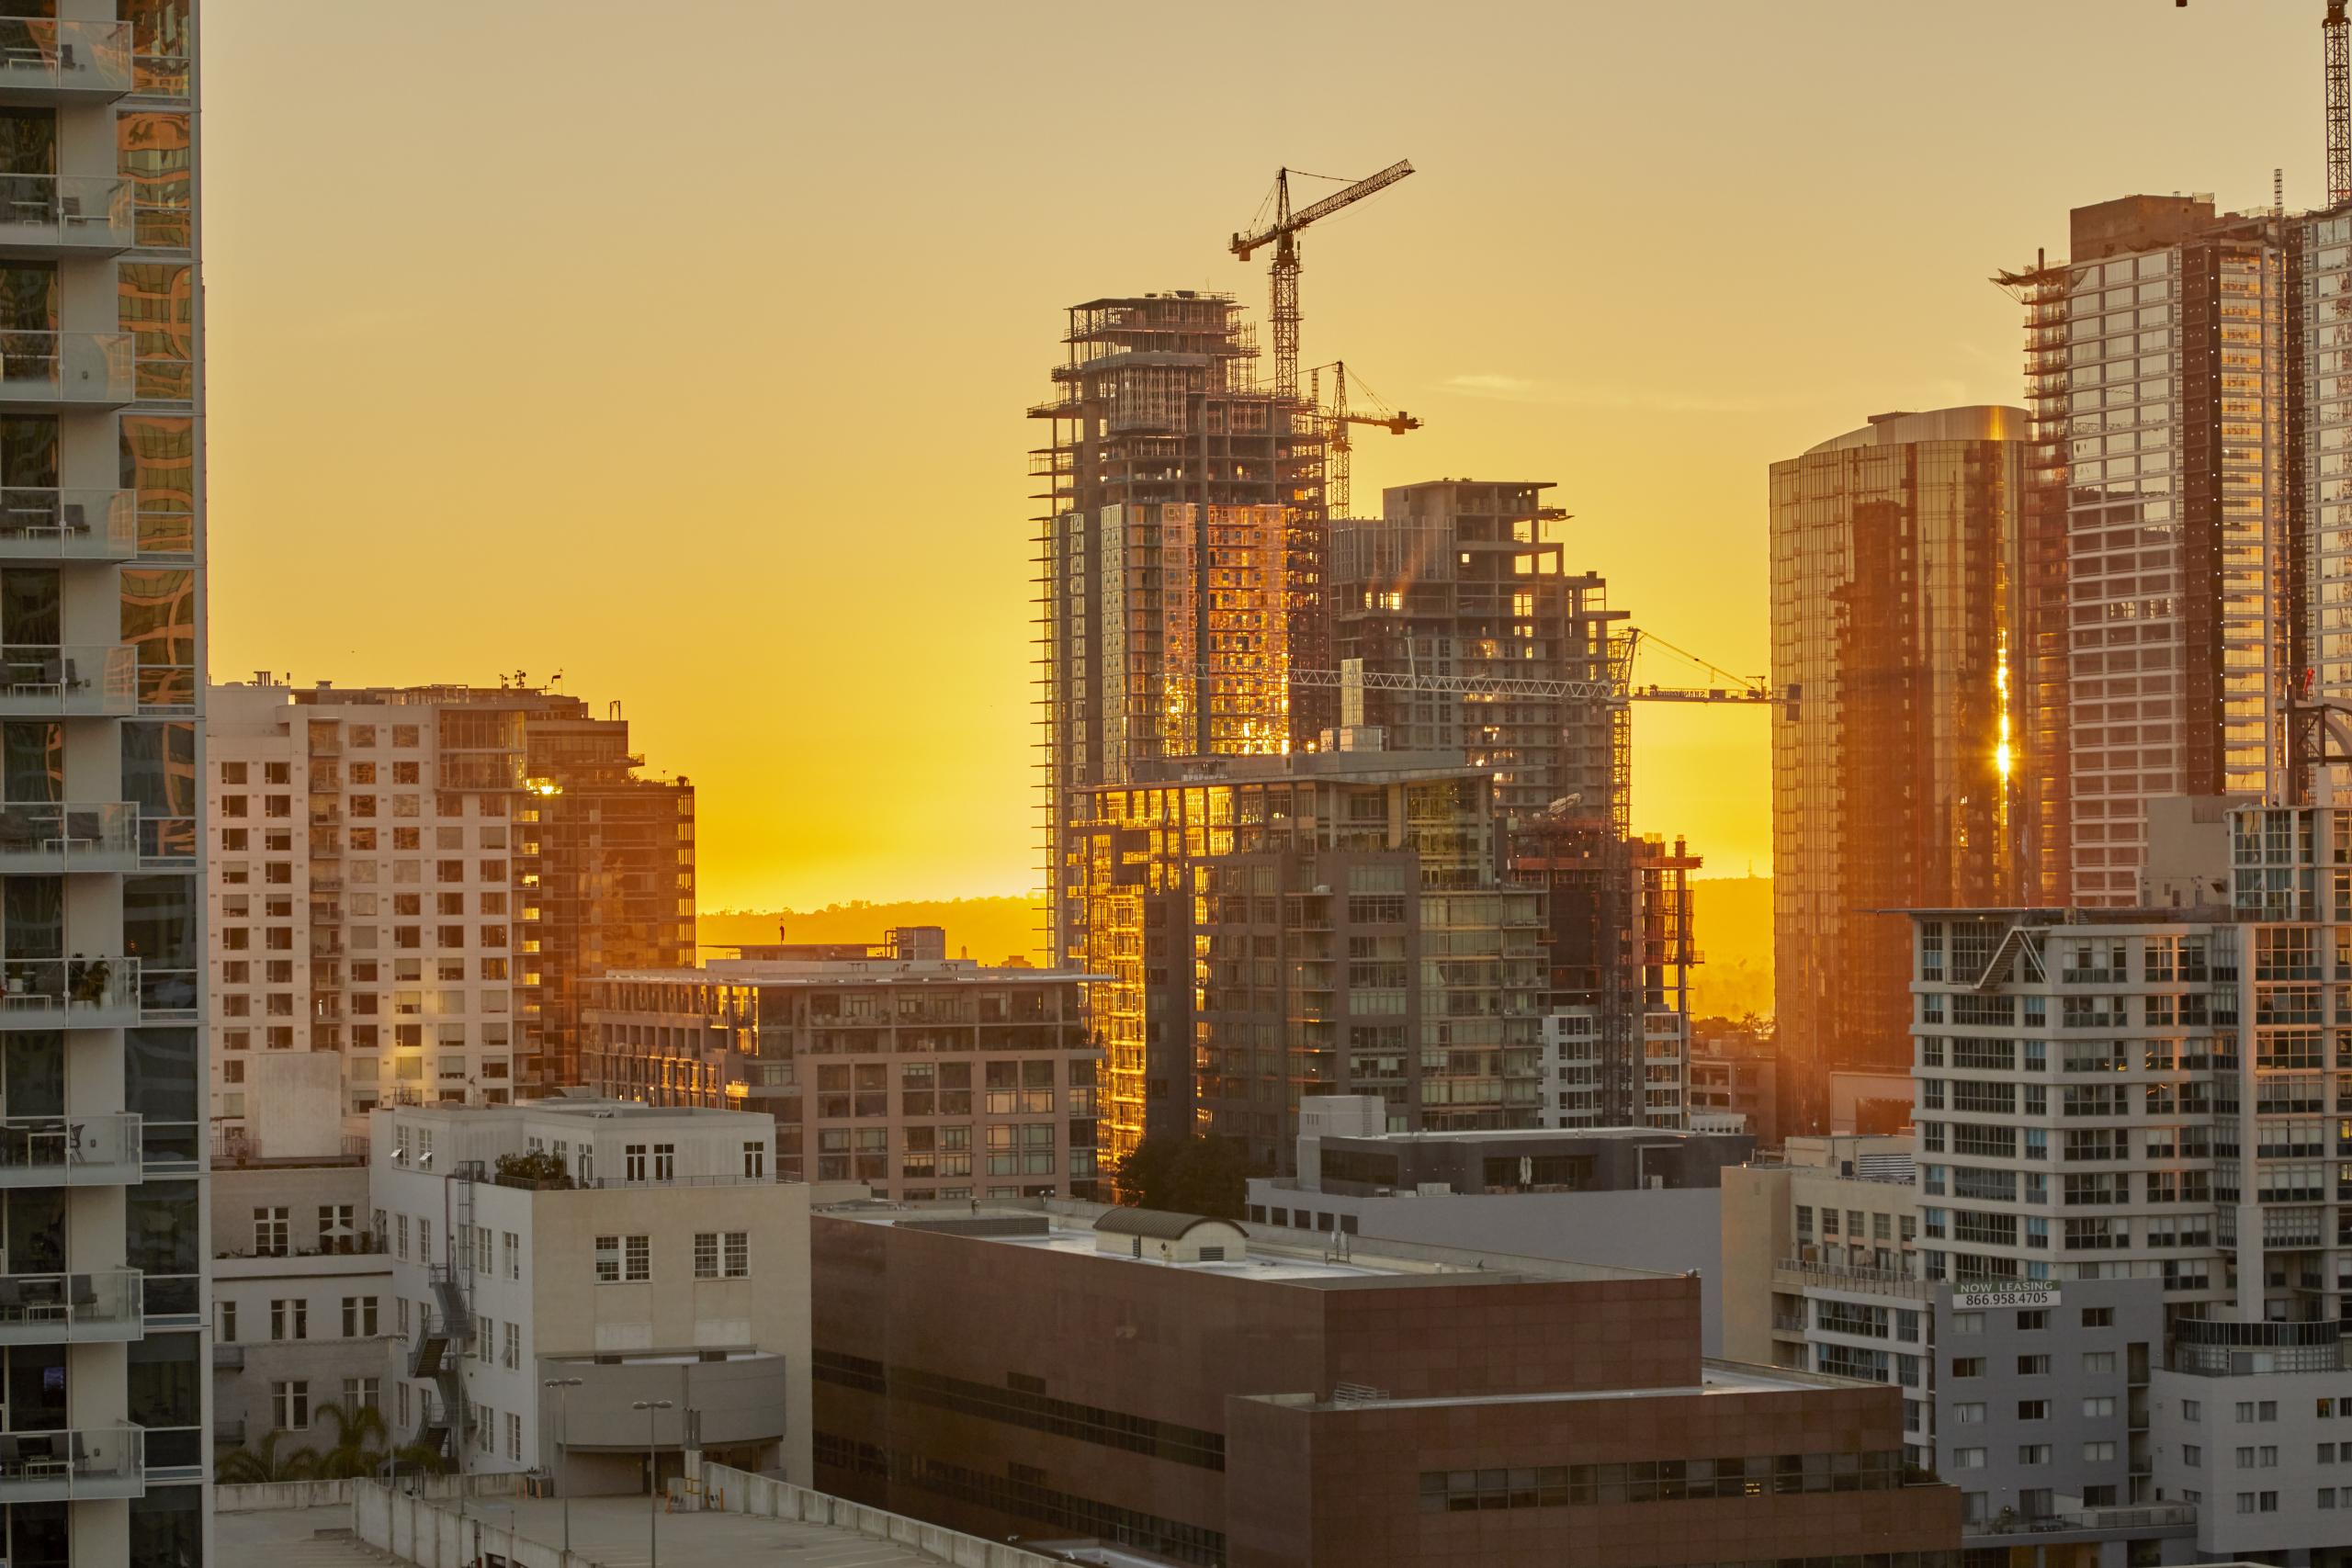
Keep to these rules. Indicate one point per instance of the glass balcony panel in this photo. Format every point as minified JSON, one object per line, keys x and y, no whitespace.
{"x":65,"y":214}
{"x":48,"y":1309}
{"x":85,"y":992}
{"x":66,"y":370}
{"x":93,"y":680}
{"x":70,"y":1151}
{"x":46,"y":838}
{"x":81,"y":1463}
{"x":68,"y":525}
{"x":47,"y":62}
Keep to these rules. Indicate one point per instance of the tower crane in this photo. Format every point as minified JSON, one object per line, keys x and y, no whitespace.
{"x":1337,"y":443}
{"x":1282,"y":234}
{"x":2332,"y":30}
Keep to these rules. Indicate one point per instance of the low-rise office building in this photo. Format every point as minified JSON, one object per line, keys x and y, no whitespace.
{"x":301,"y":1299}
{"x":1178,"y":1386}
{"x":1633,"y":1197}
{"x":623,"y":1252}
{"x":918,"y":1075}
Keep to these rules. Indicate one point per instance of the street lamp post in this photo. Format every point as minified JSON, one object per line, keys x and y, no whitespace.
{"x":563,"y":1387}
{"x":652,"y":1481}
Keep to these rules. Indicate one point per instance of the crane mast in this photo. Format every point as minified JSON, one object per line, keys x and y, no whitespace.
{"x":1282,"y":234}
{"x":1339,"y":444}
{"x":2339,"y":103}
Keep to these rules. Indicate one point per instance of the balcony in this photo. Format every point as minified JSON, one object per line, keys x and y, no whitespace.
{"x":65,"y":215}
{"x":46,"y":372}
{"x":53,"y":838}
{"x":69,"y":993}
{"x":68,"y":525}
{"x":70,"y":1151}
{"x":62,"y":1466}
{"x":83,"y":680}
{"x":50,"y":1309}
{"x":46,"y":62}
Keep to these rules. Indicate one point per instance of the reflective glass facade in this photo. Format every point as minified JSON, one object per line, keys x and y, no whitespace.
{"x":1898,"y":777}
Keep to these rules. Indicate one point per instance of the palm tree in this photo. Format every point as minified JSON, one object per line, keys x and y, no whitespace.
{"x":360,"y":1437}
{"x":244,"y":1466}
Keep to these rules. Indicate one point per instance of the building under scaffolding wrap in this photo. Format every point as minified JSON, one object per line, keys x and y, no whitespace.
{"x":1617,"y":962}
{"x":1180,"y":557}
{"x":1456,"y":578}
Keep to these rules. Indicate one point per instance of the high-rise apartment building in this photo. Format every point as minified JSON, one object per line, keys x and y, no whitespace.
{"x":102,"y":933}
{"x":1180,"y":555}
{"x":1329,"y":923}
{"x":415,"y":879}
{"x":1898,"y":781}
{"x":919,"y":1075}
{"x":2152,"y":1094}
{"x":2166,"y":513}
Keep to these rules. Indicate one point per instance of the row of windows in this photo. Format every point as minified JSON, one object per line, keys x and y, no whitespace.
{"x":289,"y":1402}
{"x":718,"y":1254}
{"x":1659,"y":1480}
{"x":289,"y":1318}
{"x":1023,"y":1402}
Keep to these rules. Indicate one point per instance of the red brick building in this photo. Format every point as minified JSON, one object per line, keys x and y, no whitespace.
{"x":1174,"y":1386}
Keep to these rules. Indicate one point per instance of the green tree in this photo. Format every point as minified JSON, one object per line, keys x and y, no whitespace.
{"x":360,"y":1439}
{"x":1197,"y":1175}
{"x":269,"y":1462}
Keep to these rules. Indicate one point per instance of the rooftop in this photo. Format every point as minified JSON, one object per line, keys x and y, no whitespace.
{"x":1533,"y":1135}
{"x":1068,"y":1227}
{"x":581,"y":1107}
{"x":848,"y":972}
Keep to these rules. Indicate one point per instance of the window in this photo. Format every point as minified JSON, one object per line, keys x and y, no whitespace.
{"x":400,"y":1237}
{"x":289,"y":1318}
{"x":514,"y":1437}
{"x":291,"y":1405}
{"x":1968,"y":1322}
{"x":665,"y":1162}
{"x":485,"y":1346}
{"x":1968,"y":1458}
{"x":2246,"y":1456}
{"x":1968,"y":1366}
{"x":2099,"y":1362}
{"x":228,"y":1322}
{"x":2033,"y":1366}
{"x":2033,"y":1321}
{"x":362,"y":1394}
{"x":2033,"y":1410}
{"x":638,"y":1258}
{"x":739,"y":1255}
{"x":513,"y":1358}
{"x":705,"y":1254}
{"x":2098,"y":1453}
{"x":633,"y":1162}
{"x":2193,"y":1409}
{"x":2099,"y":1407}
{"x":2192,"y":1456}
{"x":359,"y":1317}
{"x":2326,"y":1409}
{"x":514,"y":1245}
{"x":755,"y":1161}
{"x":2099,"y":1317}
{"x":2033,"y":1453}
{"x":1968,"y":1414}
{"x":608,"y":1258}
{"x":271,"y":1233}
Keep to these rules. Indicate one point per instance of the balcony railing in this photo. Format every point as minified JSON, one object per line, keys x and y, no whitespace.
{"x":47,"y":1309}
{"x":65,"y":214}
{"x":47,"y":370}
{"x":68,"y":525}
{"x":69,"y":837}
{"x":70,"y":1151}
{"x":93,"y":680}
{"x":47,"y":62}
{"x":69,"y":993}
{"x":84,"y":1461}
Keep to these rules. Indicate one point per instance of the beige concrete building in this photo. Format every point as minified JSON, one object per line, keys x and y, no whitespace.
{"x":648,"y":1253}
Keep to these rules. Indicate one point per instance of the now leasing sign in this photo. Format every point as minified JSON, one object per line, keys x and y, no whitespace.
{"x":1980,"y":1299}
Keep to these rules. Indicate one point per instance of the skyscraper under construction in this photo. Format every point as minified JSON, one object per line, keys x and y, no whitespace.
{"x":1180,"y":557}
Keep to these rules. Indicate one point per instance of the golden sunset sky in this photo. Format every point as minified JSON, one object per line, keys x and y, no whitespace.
{"x":683,"y":347}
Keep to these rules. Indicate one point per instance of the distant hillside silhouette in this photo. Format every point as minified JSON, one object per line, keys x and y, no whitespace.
{"x":990,"y":930}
